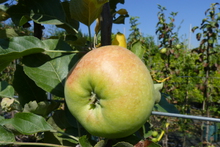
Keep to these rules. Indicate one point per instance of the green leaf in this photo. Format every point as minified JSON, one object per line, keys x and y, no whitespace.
{"x":7,"y":33}
{"x":120,"y":19}
{"x":86,"y":11}
{"x":194,"y":28}
{"x":100,"y":143}
{"x":1,"y":118}
{"x":17,"y":13}
{"x":154,"y":145}
{"x":26,"y":88}
{"x":58,"y":138}
{"x":138,"y":49}
{"x":157,"y":94}
{"x":29,"y":123}
{"x":6,"y":136}
{"x":132,"y":139}
{"x":56,"y":44}
{"x":3,"y":15}
{"x":164,"y":106}
{"x":123,"y":144}
{"x":17,"y":47}
{"x":70,"y":22}
{"x":60,"y":123}
{"x":43,"y":108}
{"x":46,"y":11}
{"x":50,"y":71}
{"x":3,"y":121}
{"x":41,"y":11}
{"x":84,"y":141}
{"x":6,"y":90}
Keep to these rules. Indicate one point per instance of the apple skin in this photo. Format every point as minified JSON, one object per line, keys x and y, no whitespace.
{"x":110,"y":92}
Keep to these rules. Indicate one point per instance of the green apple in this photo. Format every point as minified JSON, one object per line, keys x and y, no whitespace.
{"x":154,"y":140}
{"x":178,"y":46}
{"x":110,"y":92}
{"x":163,"y":50}
{"x":154,"y":134}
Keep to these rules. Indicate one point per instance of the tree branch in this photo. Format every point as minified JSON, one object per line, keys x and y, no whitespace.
{"x":38,"y":30}
{"x":106,"y":25}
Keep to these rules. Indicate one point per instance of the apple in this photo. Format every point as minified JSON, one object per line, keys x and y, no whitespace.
{"x":110,"y":92}
{"x":178,"y":46}
{"x":154,"y":140}
{"x":163,"y":50}
{"x":154,"y":133}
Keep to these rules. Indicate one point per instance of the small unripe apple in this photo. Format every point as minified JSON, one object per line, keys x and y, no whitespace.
{"x":163,"y":50}
{"x":154,"y":140}
{"x":110,"y":92}
{"x":178,"y":46}
{"x":154,"y":134}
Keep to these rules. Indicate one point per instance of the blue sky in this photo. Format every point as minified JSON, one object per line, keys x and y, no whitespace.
{"x":191,"y":12}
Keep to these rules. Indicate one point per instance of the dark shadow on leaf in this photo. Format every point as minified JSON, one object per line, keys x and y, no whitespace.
{"x":50,"y":73}
{"x":4,"y":43}
{"x":165,"y":106}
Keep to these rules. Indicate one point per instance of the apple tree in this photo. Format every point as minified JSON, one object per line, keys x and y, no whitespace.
{"x":208,"y":52}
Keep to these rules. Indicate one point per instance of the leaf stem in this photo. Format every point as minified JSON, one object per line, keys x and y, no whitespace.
{"x":71,"y":27}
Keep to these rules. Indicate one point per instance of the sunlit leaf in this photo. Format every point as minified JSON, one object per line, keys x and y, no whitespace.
{"x":101,"y":143}
{"x":6,"y":90}
{"x":29,"y":123}
{"x":138,"y":49}
{"x":84,"y":141}
{"x":6,"y":136}
{"x":17,"y":47}
{"x":49,"y":70}
{"x":86,"y":11}
{"x":194,"y":28}
{"x":122,"y":12}
{"x":8,"y":33}
{"x":120,"y":19}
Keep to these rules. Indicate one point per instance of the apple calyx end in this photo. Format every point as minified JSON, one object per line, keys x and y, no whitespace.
{"x":94,"y":101}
